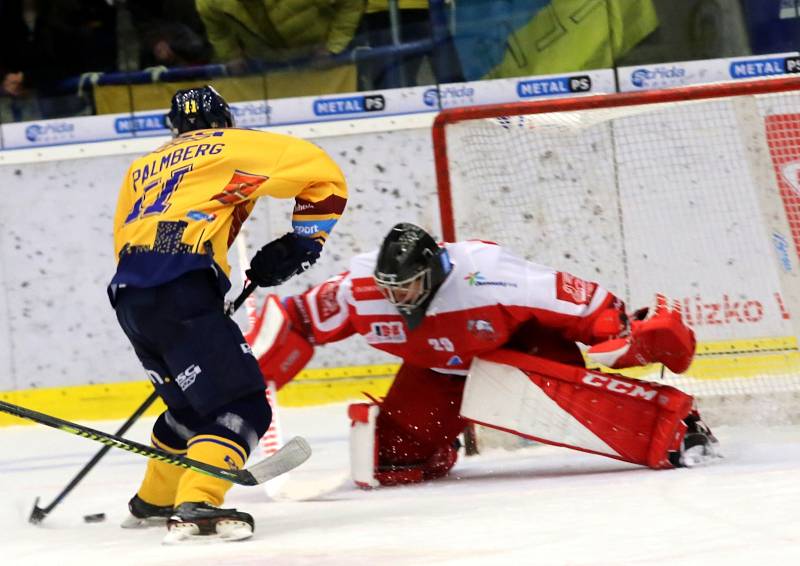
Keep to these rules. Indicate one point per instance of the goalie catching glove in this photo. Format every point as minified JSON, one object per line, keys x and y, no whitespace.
{"x":282,"y":259}
{"x":656,"y":335}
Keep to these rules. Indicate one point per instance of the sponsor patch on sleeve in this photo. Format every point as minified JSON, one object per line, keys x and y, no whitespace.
{"x":573,"y":289}
{"x":365,"y":289}
{"x":327,"y":304}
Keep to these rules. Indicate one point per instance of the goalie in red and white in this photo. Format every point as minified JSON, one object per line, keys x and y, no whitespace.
{"x":490,"y":338}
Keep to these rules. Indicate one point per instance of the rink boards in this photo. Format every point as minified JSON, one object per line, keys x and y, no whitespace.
{"x":750,"y":360}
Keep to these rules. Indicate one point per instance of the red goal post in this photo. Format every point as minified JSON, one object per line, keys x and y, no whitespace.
{"x":691,"y":191}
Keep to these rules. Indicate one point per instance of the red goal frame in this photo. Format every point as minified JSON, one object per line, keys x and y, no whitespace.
{"x":586,"y":102}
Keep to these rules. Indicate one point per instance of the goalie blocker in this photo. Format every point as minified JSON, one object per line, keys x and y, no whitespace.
{"x":281,"y":352}
{"x":635,"y":421}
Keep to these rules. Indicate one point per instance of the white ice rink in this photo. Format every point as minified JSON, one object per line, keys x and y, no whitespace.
{"x":539,"y":505}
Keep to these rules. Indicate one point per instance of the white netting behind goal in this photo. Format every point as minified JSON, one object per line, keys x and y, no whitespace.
{"x":699,"y":199}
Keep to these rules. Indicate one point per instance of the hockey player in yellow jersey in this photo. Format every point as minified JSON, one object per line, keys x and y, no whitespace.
{"x":179,"y":210}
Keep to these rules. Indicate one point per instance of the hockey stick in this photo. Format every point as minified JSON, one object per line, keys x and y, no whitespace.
{"x":237,"y":302}
{"x":38,"y":514}
{"x":294,"y":452}
{"x":272,"y":439}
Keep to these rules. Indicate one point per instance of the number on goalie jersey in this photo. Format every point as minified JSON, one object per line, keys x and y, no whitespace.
{"x":439,"y":307}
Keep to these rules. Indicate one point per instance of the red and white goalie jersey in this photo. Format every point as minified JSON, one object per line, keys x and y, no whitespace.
{"x":527,"y":319}
{"x":485,"y":299}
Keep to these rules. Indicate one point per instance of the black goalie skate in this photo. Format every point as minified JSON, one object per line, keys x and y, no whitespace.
{"x":699,"y":446}
{"x":143,"y":514}
{"x":203,"y":521}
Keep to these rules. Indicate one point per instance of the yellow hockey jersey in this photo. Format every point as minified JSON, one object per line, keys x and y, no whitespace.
{"x":181,"y":206}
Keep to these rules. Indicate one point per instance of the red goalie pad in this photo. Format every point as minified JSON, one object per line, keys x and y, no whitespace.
{"x":408,"y":437}
{"x":627,"y":419}
{"x":365,"y":463}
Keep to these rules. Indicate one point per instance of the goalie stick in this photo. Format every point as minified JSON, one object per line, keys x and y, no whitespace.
{"x":293,"y":453}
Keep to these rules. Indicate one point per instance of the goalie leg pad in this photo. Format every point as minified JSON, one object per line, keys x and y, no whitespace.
{"x":437,"y":466}
{"x":363,"y":450}
{"x":631,"y":420}
{"x":365,"y":470}
{"x":410,"y":437}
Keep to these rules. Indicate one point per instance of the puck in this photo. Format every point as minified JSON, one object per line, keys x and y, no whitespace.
{"x":95,"y":518}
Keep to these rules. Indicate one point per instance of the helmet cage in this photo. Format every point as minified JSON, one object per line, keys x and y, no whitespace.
{"x":399,"y":293}
{"x":409,"y":268}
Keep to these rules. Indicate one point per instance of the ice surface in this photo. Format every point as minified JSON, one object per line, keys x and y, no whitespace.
{"x":539,"y":505}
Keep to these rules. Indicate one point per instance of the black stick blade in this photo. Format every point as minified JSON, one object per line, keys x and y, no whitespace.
{"x":37,"y":514}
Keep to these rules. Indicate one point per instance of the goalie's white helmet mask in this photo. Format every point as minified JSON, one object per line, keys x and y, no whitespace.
{"x":411,"y":266}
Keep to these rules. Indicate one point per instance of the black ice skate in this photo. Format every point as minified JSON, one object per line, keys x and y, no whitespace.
{"x":699,"y":446}
{"x":144,"y":514}
{"x":203,"y":521}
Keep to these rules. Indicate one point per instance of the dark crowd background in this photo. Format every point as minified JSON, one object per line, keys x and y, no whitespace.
{"x":58,"y":56}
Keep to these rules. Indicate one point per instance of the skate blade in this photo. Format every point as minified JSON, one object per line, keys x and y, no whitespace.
{"x":189,"y":533}
{"x":131,"y":522}
{"x":700,"y":456}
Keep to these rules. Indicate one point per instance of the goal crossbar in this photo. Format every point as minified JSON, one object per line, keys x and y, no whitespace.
{"x":451,"y":116}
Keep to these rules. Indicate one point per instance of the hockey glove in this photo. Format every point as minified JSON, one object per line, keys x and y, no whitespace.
{"x":657,"y":335}
{"x":283,"y":258}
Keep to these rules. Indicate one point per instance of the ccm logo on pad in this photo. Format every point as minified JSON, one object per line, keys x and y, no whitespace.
{"x":617,"y":386}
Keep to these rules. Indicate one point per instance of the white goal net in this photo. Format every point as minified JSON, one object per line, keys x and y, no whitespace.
{"x":693,"y":192}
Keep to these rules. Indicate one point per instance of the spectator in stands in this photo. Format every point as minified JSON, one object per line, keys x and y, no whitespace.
{"x":242,"y":31}
{"x":42,"y":43}
{"x":414,"y":24}
{"x":170,"y":33}
{"x":15,"y":105}
{"x":17,"y":26}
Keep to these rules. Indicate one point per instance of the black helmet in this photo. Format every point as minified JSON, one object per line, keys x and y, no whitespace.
{"x":410,"y":268}
{"x":197,"y":109}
